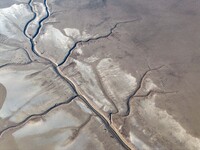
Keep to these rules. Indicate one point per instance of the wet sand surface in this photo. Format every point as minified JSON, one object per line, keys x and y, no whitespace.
{"x":99,"y":74}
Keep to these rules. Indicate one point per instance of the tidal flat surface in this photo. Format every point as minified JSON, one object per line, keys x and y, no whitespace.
{"x":99,"y":75}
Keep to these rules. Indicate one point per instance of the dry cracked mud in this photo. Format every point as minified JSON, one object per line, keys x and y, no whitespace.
{"x":99,"y":74}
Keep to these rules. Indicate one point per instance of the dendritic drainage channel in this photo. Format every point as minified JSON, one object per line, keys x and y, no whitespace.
{"x":111,"y":128}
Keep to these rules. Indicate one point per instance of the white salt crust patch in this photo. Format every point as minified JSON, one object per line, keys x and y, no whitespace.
{"x":166,"y":125}
{"x":118,"y":83}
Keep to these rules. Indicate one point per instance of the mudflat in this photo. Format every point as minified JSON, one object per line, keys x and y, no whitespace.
{"x":99,"y":74}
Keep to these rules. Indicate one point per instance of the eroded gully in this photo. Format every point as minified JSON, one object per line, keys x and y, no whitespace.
{"x":111,"y":128}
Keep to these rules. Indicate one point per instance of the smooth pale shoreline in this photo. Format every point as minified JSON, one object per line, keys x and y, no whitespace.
{"x":2,"y":94}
